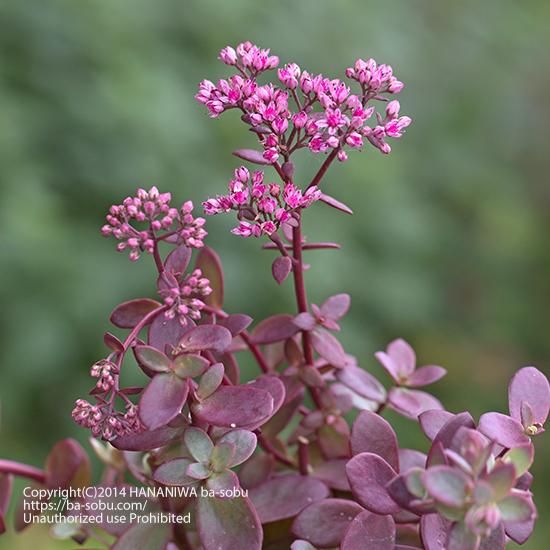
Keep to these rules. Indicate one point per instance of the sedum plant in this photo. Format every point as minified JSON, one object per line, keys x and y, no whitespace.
{"x":300,"y":456}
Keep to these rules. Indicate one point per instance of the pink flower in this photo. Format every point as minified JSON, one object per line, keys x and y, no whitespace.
{"x":289,"y":75}
{"x":394,"y":128}
{"x":228,"y":55}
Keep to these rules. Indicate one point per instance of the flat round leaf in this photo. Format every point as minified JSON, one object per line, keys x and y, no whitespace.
{"x":206,"y":337}
{"x":281,"y":268}
{"x":434,"y":530}
{"x":447,"y":485}
{"x":190,"y":365}
{"x":210,"y":380}
{"x":531,"y":386}
{"x":162,"y":400}
{"x":210,"y":264}
{"x":152,"y":359}
{"x":431,"y":421}
{"x":178,"y":260}
{"x":67,"y":465}
{"x":362,"y":382}
{"x":329,"y":348}
{"x":228,"y":524}
{"x":198,"y":443}
{"x":148,"y":440}
{"x":370,"y":531}
{"x":285,"y":496}
{"x":236,"y":323}
{"x":412,"y":403}
{"x":129,"y":314}
{"x":251,"y":155}
{"x":174,"y":473}
{"x":166,"y":333}
{"x":424,"y":376}
{"x":244,"y":442}
{"x":336,"y":306}
{"x":274,"y":329}
{"x":325,"y":522}
{"x":503,"y":429}
{"x":235,"y":406}
{"x":333,"y":474}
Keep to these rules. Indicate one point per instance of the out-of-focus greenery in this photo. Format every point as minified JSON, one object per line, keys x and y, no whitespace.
{"x":448,"y":246}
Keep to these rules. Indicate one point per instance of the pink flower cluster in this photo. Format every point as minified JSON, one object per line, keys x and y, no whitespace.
{"x":310,"y":111}
{"x":152,"y":208}
{"x":183,"y":298}
{"x":104,"y":422}
{"x":105,"y":372}
{"x":261,"y":207}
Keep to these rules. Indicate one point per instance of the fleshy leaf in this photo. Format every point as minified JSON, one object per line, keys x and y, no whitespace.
{"x":228,"y":524}
{"x":370,"y":531}
{"x":152,"y":359}
{"x":447,"y":432}
{"x":501,"y":479}
{"x":368,"y":476}
{"x":6,"y":485}
{"x":244,"y":442}
{"x":256,"y":470}
{"x":235,"y":406}
{"x":221,"y":457}
{"x":516,"y":508}
{"x":434,"y":531}
{"x":305,"y":321}
{"x":198,"y":470}
{"x":531,"y":386}
{"x":336,"y":306}
{"x":331,"y":201}
{"x":362,"y":382}
{"x":503,"y":429}
{"x":178,"y":260}
{"x":521,"y":457}
{"x":328,"y":347}
{"x":210,"y":264}
{"x":424,"y":376}
{"x":431,"y":421}
{"x":206,"y":337}
{"x":285,"y":496}
{"x":129,"y":314}
{"x":373,"y":434}
{"x":281,"y":268}
{"x":399,"y":359}
{"x":520,"y":531}
{"x":148,"y":440}
{"x":166,"y":333}
{"x":222,"y":482}
{"x":189,"y":365}
{"x":274,"y":329}
{"x":67,"y":465}
{"x":412,"y":403}
{"x":324,"y":523}
{"x":333,"y":474}
{"x":162,"y":400}
{"x":446,"y":485}
{"x":460,"y":538}
{"x":210,"y":380}
{"x":112,"y":342}
{"x":198,"y":444}
{"x":174,"y":473}
{"x":235,"y":323}
{"x":251,"y":155}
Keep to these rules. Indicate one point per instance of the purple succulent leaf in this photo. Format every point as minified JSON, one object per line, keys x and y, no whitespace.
{"x":6,"y":486}
{"x":305,"y":321}
{"x":228,"y":523}
{"x":412,"y":403}
{"x":411,"y":458}
{"x":362,"y":382}
{"x":501,"y":479}
{"x":324,"y":523}
{"x":336,"y":306}
{"x":197,"y":470}
{"x":517,"y":507}
{"x":143,"y":535}
{"x":447,"y":432}
{"x":333,"y":474}
{"x":210,"y":264}
{"x":236,"y":323}
{"x":251,"y":155}
{"x":222,"y":455}
{"x":256,"y":470}
{"x":190,"y":365}
{"x":531,"y":386}
{"x":432,"y":420}
{"x":166,"y":333}
{"x":274,"y":386}
{"x":368,"y":475}
{"x":148,"y":440}
{"x":520,"y":531}
{"x":461,"y":538}
{"x":446,"y":485}
{"x":434,"y":530}
{"x":525,"y":481}
{"x":373,"y":434}
{"x":346,"y":399}
{"x":521,"y":457}
{"x":375,"y":532}
{"x":503,"y":429}
{"x":424,"y":376}
{"x":285,"y":496}
{"x":334,"y":203}
{"x":206,"y":337}
{"x":235,"y":406}
{"x":244,"y":443}
{"x":67,"y":465}
{"x":178,"y":260}
{"x":329,"y":348}
{"x":399,"y":359}
{"x":284,"y":415}
{"x":162,"y":400}
{"x":222,"y":483}
{"x":210,"y":381}
{"x":129,"y":314}
{"x":112,"y":342}
{"x":302,"y":545}
{"x":333,"y":438}
{"x":153,"y":359}
{"x":198,"y":444}
{"x":495,"y":541}
{"x":281,"y":268}
{"x":174,"y":473}
{"x":436,"y":455}
{"x":274,"y":329}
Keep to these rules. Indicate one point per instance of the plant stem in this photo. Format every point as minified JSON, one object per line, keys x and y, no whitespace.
{"x":266,"y":445}
{"x":22,"y":470}
{"x":324,"y":167}
{"x":303,"y":456}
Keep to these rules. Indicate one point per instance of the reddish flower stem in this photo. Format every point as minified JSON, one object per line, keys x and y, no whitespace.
{"x":22,"y":470}
{"x":324,"y":167}
{"x":303,"y":456}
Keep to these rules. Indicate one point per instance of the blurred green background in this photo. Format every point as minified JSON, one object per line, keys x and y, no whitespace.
{"x":448,"y":246}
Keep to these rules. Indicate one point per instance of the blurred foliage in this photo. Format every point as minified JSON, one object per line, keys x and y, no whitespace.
{"x":448,"y":246}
